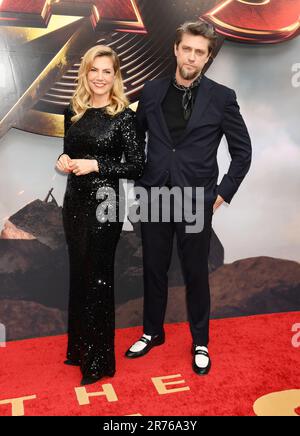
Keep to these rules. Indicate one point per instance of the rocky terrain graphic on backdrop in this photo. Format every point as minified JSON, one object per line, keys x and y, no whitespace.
{"x":34,"y":277}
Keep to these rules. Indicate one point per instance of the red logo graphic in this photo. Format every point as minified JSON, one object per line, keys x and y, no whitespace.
{"x":46,"y":64}
{"x":259,"y":21}
{"x":38,"y":13}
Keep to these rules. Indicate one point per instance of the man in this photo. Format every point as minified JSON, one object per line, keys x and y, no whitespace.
{"x":186,"y":117}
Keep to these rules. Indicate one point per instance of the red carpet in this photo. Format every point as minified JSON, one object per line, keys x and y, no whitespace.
{"x":251,"y":357}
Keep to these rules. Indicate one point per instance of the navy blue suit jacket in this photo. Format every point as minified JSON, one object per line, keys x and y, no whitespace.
{"x":193,"y":161}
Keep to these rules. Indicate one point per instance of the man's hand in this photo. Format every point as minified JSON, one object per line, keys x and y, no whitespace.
{"x":81,"y":167}
{"x":63,"y":164}
{"x":218,"y":203}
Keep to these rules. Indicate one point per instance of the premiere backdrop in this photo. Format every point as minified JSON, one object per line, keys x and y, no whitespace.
{"x":255,"y":247}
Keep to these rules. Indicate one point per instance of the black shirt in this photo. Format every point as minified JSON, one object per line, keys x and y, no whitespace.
{"x":173,"y":112}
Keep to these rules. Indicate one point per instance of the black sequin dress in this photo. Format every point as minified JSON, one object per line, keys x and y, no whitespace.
{"x":92,"y":242}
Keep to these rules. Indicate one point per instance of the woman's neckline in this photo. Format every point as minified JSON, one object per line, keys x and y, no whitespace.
{"x":100,"y":107}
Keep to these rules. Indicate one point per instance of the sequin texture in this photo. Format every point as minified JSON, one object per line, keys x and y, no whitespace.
{"x":92,"y":244}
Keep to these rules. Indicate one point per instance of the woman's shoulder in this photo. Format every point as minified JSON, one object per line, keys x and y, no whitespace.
{"x":128,"y":114}
{"x":68,"y":111}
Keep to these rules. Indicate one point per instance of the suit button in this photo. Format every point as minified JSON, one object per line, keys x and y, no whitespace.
{"x":174,"y":150}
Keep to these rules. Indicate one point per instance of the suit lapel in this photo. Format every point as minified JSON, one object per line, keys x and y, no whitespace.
{"x":159,"y":113}
{"x":202,"y":100}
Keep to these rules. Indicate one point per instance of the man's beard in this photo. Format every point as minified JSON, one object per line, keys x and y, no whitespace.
{"x":188,"y":75}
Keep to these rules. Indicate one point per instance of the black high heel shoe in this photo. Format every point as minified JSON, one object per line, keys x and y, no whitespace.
{"x":89,"y":379}
{"x":93,"y":378}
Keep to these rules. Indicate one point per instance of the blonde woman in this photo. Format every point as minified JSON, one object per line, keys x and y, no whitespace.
{"x":99,"y":130}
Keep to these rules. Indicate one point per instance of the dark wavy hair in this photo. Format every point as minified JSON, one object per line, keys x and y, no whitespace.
{"x":198,"y":28}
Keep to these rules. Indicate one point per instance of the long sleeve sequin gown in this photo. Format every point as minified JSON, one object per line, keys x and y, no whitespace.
{"x":92,"y":243}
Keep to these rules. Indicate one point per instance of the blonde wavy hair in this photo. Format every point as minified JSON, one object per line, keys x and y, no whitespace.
{"x":80,"y":101}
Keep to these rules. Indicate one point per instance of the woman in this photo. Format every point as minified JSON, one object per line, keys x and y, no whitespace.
{"x":99,"y":128}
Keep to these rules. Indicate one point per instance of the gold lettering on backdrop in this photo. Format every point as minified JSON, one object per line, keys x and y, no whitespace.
{"x":83,"y":396}
{"x":161,"y":385}
{"x":282,"y":403}
{"x":17,"y":404}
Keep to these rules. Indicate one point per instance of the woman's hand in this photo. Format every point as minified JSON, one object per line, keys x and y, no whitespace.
{"x":63,"y":164}
{"x":81,"y":167}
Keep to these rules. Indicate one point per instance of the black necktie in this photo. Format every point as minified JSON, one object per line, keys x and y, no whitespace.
{"x":187,"y":98}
